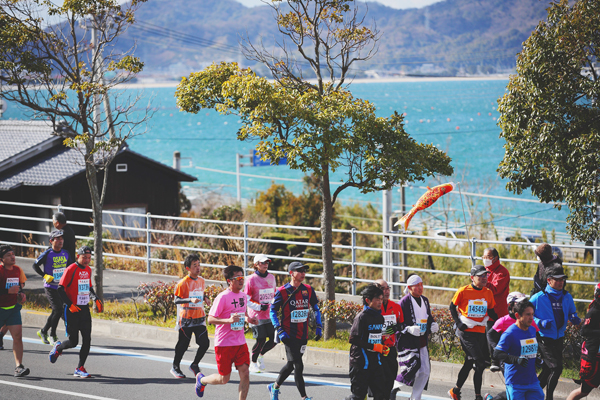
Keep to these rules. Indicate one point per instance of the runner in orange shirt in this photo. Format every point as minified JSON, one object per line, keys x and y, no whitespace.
{"x":191,"y":318}
{"x":472,"y":306}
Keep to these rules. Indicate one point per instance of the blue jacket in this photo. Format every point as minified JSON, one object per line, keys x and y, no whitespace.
{"x":543,"y":310}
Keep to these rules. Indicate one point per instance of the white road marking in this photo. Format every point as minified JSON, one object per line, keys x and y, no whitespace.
{"x":45,"y":389}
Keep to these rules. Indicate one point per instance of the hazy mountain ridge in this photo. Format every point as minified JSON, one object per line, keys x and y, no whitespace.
{"x":452,"y":35}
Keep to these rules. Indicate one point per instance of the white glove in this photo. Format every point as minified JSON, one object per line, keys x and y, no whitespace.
{"x":434,"y":327}
{"x":414,"y":330}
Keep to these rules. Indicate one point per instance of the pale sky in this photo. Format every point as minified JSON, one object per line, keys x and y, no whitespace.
{"x":390,"y":3}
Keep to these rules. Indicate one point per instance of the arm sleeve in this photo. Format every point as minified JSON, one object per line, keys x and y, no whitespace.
{"x":63,"y":296}
{"x":454,"y":313}
{"x":505,"y":357}
{"x":252,"y":304}
{"x":93,"y":295}
{"x":492,"y":313}
{"x":274,"y":309}
{"x":493,"y":337}
{"x":179,"y":300}
{"x":40,"y":261}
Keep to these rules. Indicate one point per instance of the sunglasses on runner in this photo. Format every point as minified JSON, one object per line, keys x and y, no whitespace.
{"x":237,"y":278}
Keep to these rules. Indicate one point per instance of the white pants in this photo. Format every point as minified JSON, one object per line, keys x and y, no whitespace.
{"x":422,"y":374}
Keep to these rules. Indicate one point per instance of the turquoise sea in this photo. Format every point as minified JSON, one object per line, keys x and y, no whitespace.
{"x":458,"y":116}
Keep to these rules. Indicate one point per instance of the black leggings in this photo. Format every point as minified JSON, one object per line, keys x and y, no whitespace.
{"x":262,"y":346}
{"x":75,"y":323}
{"x":552,"y":367}
{"x":298,"y":368}
{"x":57,"y":310}
{"x":185,"y":336}
{"x":293,"y":350}
{"x":477,"y":375}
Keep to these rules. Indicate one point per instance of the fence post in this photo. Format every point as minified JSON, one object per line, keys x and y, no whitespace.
{"x":353,"y":233}
{"x":148,"y":243}
{"x":245,"y":248}
{"x":473,"y":250}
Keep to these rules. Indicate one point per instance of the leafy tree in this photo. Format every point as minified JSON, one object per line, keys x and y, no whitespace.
{"x":57,"y":71}
{"x":550,"y":116}
{"x":319,"y":125}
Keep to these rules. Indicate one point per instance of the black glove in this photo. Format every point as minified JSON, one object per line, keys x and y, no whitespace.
{"x":264,"y":307}
{"x":392,"y":329}
{"x":462,"y":327}
{"x":522,"y":361}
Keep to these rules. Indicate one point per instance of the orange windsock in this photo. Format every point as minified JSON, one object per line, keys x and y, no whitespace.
{"x":425,"y":201}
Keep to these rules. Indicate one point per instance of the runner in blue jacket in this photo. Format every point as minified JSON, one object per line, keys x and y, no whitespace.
{"x":553,"y":308}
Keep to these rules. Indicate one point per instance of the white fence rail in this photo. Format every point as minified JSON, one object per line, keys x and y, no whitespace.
{"x":389,"y":245}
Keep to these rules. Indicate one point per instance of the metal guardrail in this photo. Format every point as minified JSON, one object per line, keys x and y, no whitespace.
{"x":246,"y":239}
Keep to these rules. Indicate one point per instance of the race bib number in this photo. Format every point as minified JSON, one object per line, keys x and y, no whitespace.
{"x":83,"y":292}
{"x":10,"y":282}
{"x":197,"y":294}
{"x":389,"y":320}
{"x":477,"y":309}
{"x":265,"y":296}
{"x":299,"y":316}
{"x":239,"y":326}
{"x":57,"y":274}
{"x":423,"y":325}
{"x":375,"y":338}
{"x":529,"y":348}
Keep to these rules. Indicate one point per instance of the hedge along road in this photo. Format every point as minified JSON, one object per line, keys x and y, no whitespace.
{"x":129,"y":370}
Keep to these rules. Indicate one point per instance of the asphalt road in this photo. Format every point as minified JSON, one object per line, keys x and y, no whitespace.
{"x":128,"y":370}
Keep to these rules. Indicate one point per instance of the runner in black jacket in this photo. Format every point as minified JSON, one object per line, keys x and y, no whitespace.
{"x":590,"y":350}
{"x":366,"y":371}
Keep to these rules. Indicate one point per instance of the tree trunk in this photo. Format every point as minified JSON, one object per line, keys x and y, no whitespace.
{"x":92,"y":180}
{"x":327,"y":252}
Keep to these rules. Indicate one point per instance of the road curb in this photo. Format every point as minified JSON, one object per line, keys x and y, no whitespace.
{"x":336,"y":359}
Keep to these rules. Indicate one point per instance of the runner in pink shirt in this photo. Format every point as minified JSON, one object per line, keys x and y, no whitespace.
{"x":228,"y":314}
{"x":260,"y":288}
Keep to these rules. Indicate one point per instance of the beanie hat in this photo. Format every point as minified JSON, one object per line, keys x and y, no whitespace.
{"x":544,"y":252}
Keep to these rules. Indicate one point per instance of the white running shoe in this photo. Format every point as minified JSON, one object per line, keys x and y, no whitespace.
{"x":261,"y":363}
{"x":254,"y":368}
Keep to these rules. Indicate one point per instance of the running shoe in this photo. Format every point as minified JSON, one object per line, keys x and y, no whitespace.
{"x":81,"y":372}
{"x":488,"y":397}
{"x":199,"y":385}
{"x":273,"y":392}
{"x":494,"y":367}
{"x":195,"y":369}
{"x":478,"y":397}
{"x":176,"y":372}
{"x":261,"y":363}
{"x":43,"y":337}
{"x":21,"y":371}
{"x":53,"y":339}
{"x":454,"y":394}
{"x":254,"y":367}
{"x":54,"y":353}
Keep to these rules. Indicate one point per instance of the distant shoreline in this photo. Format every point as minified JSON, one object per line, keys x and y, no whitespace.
{"x":163,"y":84}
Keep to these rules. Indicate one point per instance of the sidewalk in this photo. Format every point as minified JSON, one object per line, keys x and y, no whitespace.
{"x":119,"y":285}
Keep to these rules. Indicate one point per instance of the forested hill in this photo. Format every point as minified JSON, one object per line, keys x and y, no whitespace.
{"x":476,"y":36}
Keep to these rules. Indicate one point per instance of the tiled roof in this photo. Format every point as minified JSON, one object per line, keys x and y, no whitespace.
{"x":22,"y":165}
{"x":19,"y":136}
{"x":49,"y":170}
